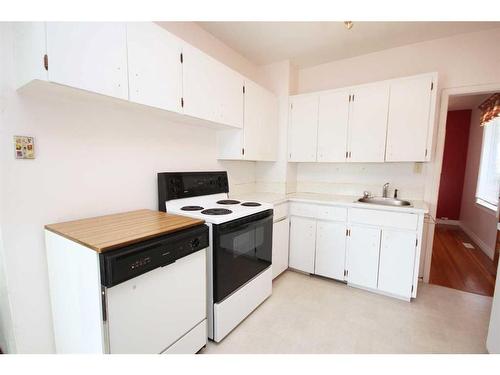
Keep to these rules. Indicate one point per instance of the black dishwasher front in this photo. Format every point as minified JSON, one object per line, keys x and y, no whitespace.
{"x":131,"y":261}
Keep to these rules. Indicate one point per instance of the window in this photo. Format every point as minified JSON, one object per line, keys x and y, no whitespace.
{"x":489,"y":170}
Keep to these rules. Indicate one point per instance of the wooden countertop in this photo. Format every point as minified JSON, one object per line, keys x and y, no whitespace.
{"x":109,"y":232}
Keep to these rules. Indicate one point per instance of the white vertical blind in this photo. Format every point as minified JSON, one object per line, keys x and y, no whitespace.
{"x":489,"y":171}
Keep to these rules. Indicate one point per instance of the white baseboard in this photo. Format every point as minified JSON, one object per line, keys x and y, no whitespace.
{"x":448,"y":222}
{"x":482,"y":245}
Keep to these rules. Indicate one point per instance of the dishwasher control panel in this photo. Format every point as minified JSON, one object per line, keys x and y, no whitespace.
{"x":131,"y":261}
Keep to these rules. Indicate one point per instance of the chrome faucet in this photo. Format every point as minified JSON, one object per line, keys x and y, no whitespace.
{"x":385,"y":188}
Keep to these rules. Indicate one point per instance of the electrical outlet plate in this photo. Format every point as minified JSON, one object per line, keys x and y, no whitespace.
{"x":24,"y":147}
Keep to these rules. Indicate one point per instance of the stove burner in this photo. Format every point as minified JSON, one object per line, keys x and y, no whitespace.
{"x":216,"y":211}
{"x":251,"y":204}
{"x":228,"y":201}
{"x":191,"y":208}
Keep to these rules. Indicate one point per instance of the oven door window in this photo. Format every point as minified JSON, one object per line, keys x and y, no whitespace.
{"x":242,"y":249}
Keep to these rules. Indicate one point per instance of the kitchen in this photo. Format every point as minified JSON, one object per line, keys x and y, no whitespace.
{"x":102,"y":139}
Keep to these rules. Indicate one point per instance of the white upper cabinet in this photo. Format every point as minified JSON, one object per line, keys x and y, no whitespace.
{"x":303,"y":128}
{"x":29,"y":51}
{"x":258,"y":140}
{"x":89,"y":55}
{"x":333,"y":120}
{"x":368,"y":123}
{"x":154,"y":66}
{"x":211,"y":91}
{"x":260,"y":123}
{"x":411,"y":112}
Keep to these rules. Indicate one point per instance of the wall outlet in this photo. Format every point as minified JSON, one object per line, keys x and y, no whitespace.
{"x":417,"y":168}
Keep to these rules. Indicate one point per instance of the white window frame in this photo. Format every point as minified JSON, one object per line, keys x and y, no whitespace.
{"x":489,"y":168}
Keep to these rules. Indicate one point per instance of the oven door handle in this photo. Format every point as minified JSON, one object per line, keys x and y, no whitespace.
{"x":245,"y":224}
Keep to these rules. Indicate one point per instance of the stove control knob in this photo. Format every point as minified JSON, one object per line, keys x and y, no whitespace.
{"x":195,"y":243}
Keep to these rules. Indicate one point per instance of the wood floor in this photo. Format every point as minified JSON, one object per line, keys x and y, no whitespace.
{"x":455,"y":266}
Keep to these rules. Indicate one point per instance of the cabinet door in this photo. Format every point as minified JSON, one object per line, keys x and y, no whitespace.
{"x":211,"y":90}
{"x":280,"y":246}
{"x":363,"y":256}
{"x":154,"y":66}
{"x":89,"y":55}
{"x":409,"y":118}
{"x":302,"y":243}
{"x":397,"y":262}
{"x":303,"y":128}
{"x":333,"y":119}
{"x":260,"y":123}
{"x":29,"y":48}
{"x":368,"y":123}
{"x":330,"y":249}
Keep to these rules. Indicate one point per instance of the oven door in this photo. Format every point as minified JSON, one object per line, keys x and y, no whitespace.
{"x":242,"y":249}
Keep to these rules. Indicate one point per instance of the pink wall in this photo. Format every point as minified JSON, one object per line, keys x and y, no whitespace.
{"x":206,"y":42}
{"x":454,"y":162}
{"x":478,"y":222}
{"x":465,"y":59}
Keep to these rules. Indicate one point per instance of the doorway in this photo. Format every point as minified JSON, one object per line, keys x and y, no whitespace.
{"x":464,"y":254}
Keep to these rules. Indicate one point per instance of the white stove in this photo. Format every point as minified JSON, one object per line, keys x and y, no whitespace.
{"x":215,"y":208}
{"x":239,"y":255}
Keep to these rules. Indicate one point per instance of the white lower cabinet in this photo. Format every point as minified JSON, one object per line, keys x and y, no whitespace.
{"x":369,"y":248}
{"x":330,"y":249}
{"x":302,"y":243}
{"x":363,"y":256}
{"x":280,"y":246}
{"x":397,"y":262}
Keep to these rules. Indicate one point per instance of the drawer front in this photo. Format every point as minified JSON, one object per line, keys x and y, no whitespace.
{"x":331,"y":213}
{"x":383,"y":218}
{"x":318,"y":211}
{"x":280,"y":211}
{"x":303,"y":209}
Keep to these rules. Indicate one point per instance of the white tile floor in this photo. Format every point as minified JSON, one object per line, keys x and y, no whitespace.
{"x":308,"y":314}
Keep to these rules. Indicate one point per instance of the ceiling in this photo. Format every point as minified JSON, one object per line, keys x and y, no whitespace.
{"x":458,"y":102}
{"x":310,"y":43}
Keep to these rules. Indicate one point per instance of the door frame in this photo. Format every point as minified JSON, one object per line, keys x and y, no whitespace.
{"x":433,"y":168}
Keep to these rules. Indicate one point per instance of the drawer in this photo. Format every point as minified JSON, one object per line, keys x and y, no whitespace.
{"x":303,"y":209}
{"x":331,"y":213}
{"x":280,"y":211}
{"x":318,"y":211}
{"x":383,"y":218}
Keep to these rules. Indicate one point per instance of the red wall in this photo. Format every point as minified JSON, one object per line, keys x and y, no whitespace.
{"x":454,"y":161}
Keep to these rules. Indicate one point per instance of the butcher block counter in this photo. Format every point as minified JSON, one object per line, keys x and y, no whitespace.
{"x":110,"y":232}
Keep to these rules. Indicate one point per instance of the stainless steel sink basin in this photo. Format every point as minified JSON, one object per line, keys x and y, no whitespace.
{"x":385,"y":201}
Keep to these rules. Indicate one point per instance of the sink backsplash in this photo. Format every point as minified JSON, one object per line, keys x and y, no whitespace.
{"x":354,"y":179}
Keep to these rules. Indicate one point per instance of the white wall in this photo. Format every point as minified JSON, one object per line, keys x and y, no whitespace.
{"x":94,"y":156}
{"x":7,"y":342}
{"x":464,"y":59}
{"x":206,"y":42}
{"x":478,"y":222}
{"x":354,"y":179}
{"x":461,"y":60}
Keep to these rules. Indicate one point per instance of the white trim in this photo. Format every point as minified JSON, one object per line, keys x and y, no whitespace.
{"x":448,"y":222}
{"x":433,"y":168}
{"x":490,"y":252}
{"x":487,"y":205}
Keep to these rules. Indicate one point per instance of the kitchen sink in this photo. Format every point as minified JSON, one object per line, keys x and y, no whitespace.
{"x":385,"y":201}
